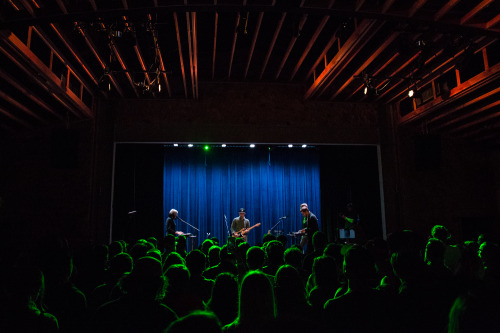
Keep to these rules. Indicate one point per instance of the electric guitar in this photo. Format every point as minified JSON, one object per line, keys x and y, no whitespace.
{"x":243,"y":232}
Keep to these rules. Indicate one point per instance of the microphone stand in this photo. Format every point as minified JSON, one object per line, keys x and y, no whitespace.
{"x":227,"y":226}
{"x":192,"y":238}
{"x":280,"y":220}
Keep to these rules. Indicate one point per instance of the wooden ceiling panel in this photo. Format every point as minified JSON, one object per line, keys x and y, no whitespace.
{"x":332,"y":48}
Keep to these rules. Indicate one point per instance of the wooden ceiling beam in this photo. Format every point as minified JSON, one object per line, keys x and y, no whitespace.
{"x":309,"y":45}
{"x":160,"y":58}
{"x":54,"y":49}
{"x":358,"y":39}
{"x":387,"y":5}
{"x":40,"y":81}
{"x":103,"y":64}
{"x":484,"y":133}
{"x":322,"y":55}
{"x":190,"y":52}
{"x":273,"y":41}
{"x":9,"y":115}
{"x":415,"y":7}
{"x":367,"y":62}
{"x":312,"y":40}
{"x":494,"y":21}
{"x":179,"y":46}
{"x":233,"y":47}
{"x":478,"y":81}
{"x":28,"y":7}
{"x":481,"y":120}
{"x":64,"y":39}
{"x":93,"y":4}
{"x":358,"y":5}
{"x":479,"y":7}
{"x":21,"y":107}
{"x":438,"y":70}
{"x":28,"y":93}
{"x":216,"y":24}
{"x":62,"y":7}
{"x":138,"y":53}
{"x":35,"y":68}
{"x":303,"y":20}
{"x":254,"y":41}
{"x":124,"y":66}
{"x":460,"y":107}
{"x":195,"y":52}
{"x":470,"y":115}
{"x":386,"y":63}
{"x":445,"y":9}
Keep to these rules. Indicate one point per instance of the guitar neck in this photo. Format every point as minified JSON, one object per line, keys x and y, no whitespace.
{"x":255,"y":225}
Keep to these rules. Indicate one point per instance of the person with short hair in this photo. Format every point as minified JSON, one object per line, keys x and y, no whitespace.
{"x":170,"y":223}
{"x":309,"y":227}
{"x":239,"y":224}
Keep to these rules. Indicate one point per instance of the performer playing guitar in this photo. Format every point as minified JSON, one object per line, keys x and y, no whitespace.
{"x":240,"y":225}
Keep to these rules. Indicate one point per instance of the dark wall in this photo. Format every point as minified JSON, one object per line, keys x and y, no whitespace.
{"x":246,"y":113}
{"x":56,"y":181}
{"x":45,"y":189}
{"x":447,"y":181}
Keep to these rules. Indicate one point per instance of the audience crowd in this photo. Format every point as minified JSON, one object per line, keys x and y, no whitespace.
{"x":407,"y":283}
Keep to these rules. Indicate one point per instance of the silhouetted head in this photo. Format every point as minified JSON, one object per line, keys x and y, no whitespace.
{"x":358,"y":264}
{"x":146,"y":279}
{"x":177,"y":278}
{"x":196,"y":321}
{"x":255,"y":258}
{"x":196,"y":262}
{"x":256,"y":298}
{"x":319,"y":241}
{"x":440,"y":232}
{"x":206,"y":245}
{"x":274,"y":252}
{"x":324,"y":271}
{"x":293,"y":256}
{"x":173,"y":258}
{"x":434,"y":251}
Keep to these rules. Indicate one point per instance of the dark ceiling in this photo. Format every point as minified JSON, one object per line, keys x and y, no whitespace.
{"x":59,"y":56}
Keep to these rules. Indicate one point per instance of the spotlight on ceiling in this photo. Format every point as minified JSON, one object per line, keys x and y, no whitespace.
{"x":411,"y":92}
{"x":304,"y":146}
{"x":223,"y":145}
{"x":190,"y":145}
{"x":252,"y":145}
{"x":176,"y":145}
{"x":290,"y":146}
{"x":206,"y":147}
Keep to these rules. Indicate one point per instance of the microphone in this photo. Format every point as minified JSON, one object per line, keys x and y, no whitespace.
{"x":284,"y":217}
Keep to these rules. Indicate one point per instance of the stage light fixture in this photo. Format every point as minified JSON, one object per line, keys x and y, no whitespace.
{"x":223,"y":145}
{"x":411,"y":92}
{"x":159,"y":88}
{"x":304,"y":146}
{"x":206,"y":147}
{"x":365,"y":91}
{"x":190,"y":145}
{"x":290,"y":146}
{"x":252,"y":145}
{"x":176,"y":145}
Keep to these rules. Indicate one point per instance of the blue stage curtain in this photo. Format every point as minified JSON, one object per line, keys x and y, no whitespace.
{"x":208,"y":188}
